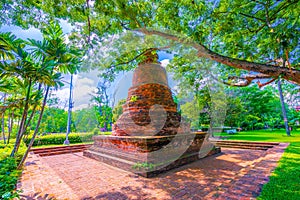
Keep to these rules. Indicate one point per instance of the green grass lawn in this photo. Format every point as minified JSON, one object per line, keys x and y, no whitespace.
{"x":264,"y":135}
{"x":284,"y":182}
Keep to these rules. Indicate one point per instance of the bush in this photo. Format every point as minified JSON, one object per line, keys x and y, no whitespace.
{"x":8,"y":173}
{"x":5,"y":150}
{"x":96,"y":131}
{"x":8,"y":178}
{"x":60,"y":138}
{"x":105,"y":133}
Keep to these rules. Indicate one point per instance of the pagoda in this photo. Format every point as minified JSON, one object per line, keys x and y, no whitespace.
{"x":150,"y":137}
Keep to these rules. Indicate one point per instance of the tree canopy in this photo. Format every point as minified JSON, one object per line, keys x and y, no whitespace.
{"x":259,"y":36}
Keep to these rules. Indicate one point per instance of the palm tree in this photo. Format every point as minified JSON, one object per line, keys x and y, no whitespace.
{"x":36,"y":69}
{"x":56,"y":56}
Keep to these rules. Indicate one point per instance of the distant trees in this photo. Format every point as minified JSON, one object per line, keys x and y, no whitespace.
{"x":258,"y":107}
{"x":248,"y":107}
{"x":103,"y":112}
{"x":54,"y":121}
{"x":85,"y":120}
{"x":118,"y":110}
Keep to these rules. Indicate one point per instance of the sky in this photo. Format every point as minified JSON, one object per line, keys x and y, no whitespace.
{"x":84,"y":83}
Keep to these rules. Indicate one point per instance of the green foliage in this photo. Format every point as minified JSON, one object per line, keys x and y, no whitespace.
{"x":191,"y":111}
{"x":253,"y":108}
{"x":133,"y":98}
{"x":8,"y":173}
{"x":34,"y":70}
{"x":250,"y":30}
{"x":104,"y":116}
{"x":85,"y":120}
{"x":118,"y":110}
{"x":143,"y":166}
{"x":8,"y":178}
{"x":60,"y":138}
{"x":5,"y":150}
{"x":54,"y":120}
{"x":102,"y":109}
{"x":96,"y":131}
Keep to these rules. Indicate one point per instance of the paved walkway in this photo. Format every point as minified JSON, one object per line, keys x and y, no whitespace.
{"x":233,"y":174}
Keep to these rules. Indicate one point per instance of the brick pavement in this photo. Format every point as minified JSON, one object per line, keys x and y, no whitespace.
{"x":233,"y":174}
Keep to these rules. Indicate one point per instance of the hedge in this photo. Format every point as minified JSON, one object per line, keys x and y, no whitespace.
{"x":60,"y":138}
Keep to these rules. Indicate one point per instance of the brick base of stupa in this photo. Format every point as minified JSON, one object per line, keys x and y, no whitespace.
{"x":149,"y":156}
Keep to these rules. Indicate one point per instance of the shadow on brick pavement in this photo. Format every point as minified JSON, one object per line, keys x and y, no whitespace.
{"x":233,"y":174}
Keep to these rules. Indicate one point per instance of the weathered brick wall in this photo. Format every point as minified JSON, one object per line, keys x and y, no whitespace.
{"x":149,"y":88}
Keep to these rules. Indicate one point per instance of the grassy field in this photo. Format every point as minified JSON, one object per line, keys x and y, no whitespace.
{"x":264,"y":135}
{"x":284,"y":182}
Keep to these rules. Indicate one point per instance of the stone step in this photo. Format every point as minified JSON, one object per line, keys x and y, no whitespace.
{"x":46,"y":149}
{"x":243,"y":147}
{"x":245,"y":144}
{"x":54,"y":150}
{"x":60,"y":152}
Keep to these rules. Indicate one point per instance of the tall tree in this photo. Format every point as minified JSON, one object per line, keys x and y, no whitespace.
{"x":55,"y":56}
{"x":102,"y":108}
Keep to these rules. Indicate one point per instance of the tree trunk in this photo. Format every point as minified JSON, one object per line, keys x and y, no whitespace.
{"x":11,"y":122}
{"x":33,"y":111}
{"x":288,"y":133}
{"x":2,"y":127}
{"x":2,"y":121}
{"x":22,"y":122}
{"x":35,"y":131}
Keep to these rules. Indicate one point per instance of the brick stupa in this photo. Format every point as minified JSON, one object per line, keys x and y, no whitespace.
{"x":150,"y":109}
{"x":150,"y":137}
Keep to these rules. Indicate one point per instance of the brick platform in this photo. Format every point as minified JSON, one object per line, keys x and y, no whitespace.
{"x":233,"y":174}
{"x":149,"y":156}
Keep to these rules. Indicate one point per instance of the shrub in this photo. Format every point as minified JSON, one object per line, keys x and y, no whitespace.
{"x":8,"y":178}
{"x":5,"y":150}
{"x":105,"y":133}
{"x":96,"y":131}
{"x":8,"y":173}
{"x":60,"y":138}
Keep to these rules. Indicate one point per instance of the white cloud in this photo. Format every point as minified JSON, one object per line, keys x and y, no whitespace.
{"x":84,"y":85}
{"x":165,"y":62}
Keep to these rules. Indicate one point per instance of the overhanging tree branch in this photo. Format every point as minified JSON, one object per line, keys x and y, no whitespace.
{"x":203,"y":52}
{"x":253,"y":17}
{"x":139,"y":55}
{"x":246,"y":80}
